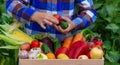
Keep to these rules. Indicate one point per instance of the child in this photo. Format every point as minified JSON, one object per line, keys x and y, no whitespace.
{"x":38,"y":15}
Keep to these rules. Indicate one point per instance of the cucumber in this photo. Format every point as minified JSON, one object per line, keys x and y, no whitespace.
{"x":63,"y":24}
{"x":45,"y":48}
{"x":56,"y":46}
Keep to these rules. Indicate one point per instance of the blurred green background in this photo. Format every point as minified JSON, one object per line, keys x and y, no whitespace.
{"x":107,"y":26}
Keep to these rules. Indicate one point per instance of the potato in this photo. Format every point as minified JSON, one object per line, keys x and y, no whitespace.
{"x":25,"y":46}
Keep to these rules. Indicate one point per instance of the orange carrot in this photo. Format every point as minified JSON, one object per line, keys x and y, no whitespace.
{"x":67,"y":42}
{"x":50,"y":55}
{"x":78,"y":37}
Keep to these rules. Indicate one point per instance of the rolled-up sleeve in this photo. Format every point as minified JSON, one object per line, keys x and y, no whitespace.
{"x":86,"y":14}
{"x":19,"y":10}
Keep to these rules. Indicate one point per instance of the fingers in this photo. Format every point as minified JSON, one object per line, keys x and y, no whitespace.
{"x":52,"y":19}
{"x":66,"y":19}
{"x":64,"y":31}
{"x":58,"y":28}
{"x":48,"y":22}
{"x":42,"y":25}
{"x":44,"y":22}
{"x":43,"y":18}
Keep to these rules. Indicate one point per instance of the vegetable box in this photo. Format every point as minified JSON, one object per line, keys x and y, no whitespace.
{"x":75,"y":50}
{"x":61,"y":62}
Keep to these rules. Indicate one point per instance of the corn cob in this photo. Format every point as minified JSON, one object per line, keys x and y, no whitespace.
{"x":15,"y":37}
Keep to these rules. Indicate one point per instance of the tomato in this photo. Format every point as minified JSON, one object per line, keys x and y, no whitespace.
{"x":57,"y":16}
{"x":35,"y":44}
{"x":99,"y":43}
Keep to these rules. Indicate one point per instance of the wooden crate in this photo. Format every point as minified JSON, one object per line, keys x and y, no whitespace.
{"x":61,"y":62}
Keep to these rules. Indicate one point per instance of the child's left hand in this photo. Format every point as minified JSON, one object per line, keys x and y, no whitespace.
{"x":71,"y":25}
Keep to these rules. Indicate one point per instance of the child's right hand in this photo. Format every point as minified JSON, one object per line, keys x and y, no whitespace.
{"x":43,"y":18}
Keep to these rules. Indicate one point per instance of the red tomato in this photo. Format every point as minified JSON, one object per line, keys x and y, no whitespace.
{"x":57,"y":16}
{"x":35,"y":44}
{"x":99,"y":43}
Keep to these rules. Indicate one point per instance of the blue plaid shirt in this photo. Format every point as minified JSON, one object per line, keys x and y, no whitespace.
{"x":22,"y":10}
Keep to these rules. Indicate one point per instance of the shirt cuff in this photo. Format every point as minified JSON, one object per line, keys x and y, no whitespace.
{"x":77,"y":21}
{"x":25,"y":13}
{"x":80,"y":22}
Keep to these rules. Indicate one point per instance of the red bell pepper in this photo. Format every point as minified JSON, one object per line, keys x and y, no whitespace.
{"x":77,"y":48}
{"x":61,"y":50}
{"x":73,"y":48}
{"x":80,"y":50}
{"x":88,"y":55}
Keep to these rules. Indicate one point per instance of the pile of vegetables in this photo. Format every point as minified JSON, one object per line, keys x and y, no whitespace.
{"x":78,"y":46}
{"x":43,"y":47}
{"x":17,"y":39}
{"x":107,"y":25}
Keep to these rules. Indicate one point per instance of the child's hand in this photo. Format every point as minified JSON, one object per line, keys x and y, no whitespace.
{"x":43,"y":18}
{"x":71,"y":26}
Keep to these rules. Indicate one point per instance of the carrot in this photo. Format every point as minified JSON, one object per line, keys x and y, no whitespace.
{"x":67,"y":42}
{"x":78,"y":37}
{"x":50,"y":55}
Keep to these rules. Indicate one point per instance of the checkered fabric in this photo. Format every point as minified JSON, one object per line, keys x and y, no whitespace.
{"x":22,"y":10}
